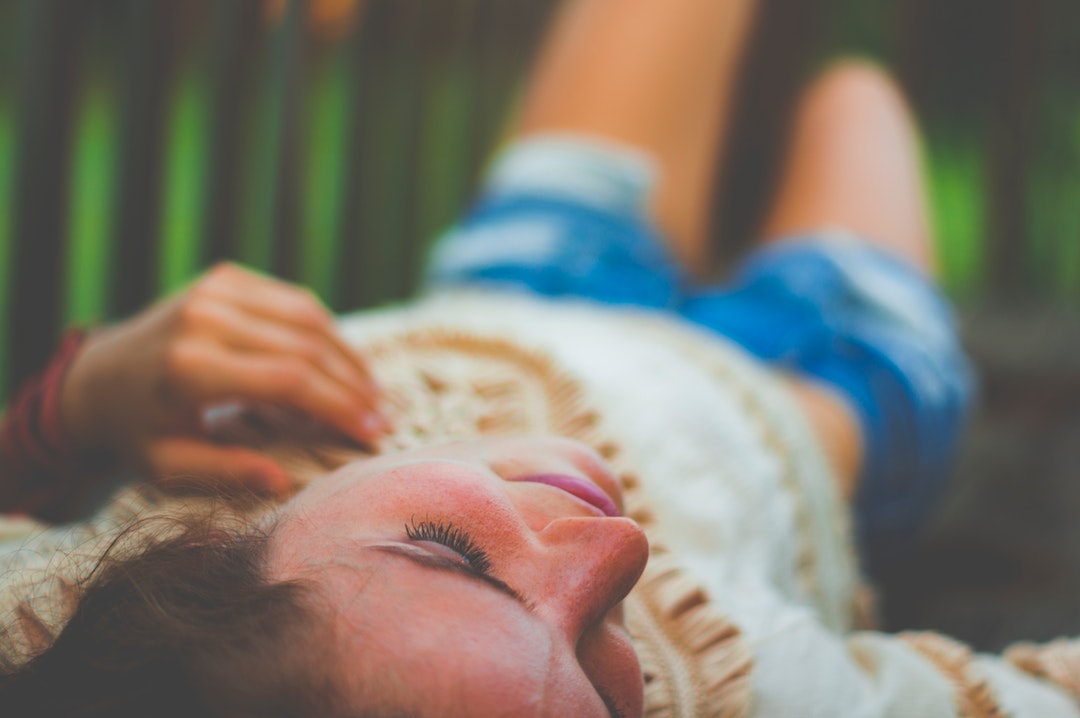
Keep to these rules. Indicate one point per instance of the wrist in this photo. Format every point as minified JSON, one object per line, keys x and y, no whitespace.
{"x":39,"y":406}
{"x":81,"y":412}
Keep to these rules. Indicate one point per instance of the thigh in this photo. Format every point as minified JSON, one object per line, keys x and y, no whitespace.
{"x":654,"y":74}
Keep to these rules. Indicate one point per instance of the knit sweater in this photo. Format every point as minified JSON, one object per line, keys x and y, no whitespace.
{"x":750,"y":604}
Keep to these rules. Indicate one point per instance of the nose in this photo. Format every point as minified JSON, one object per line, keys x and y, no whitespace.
{"x":589,"y":565}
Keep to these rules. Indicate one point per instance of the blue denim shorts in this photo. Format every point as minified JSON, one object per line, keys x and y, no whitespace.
{"x":565,"y":216}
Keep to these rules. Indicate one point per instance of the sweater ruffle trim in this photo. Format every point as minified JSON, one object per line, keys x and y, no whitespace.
{"x":447,"y":385}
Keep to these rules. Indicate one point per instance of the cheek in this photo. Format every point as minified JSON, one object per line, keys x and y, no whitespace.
{"x":517,"y":670}
{"x":523,"y":676}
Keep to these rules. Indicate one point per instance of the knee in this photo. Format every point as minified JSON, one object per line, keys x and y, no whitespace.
{"x":854,"y":79}
{"x":856,"y":89}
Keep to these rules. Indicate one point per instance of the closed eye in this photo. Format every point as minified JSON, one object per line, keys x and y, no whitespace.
{"x":446,"y":565}
{"x":452,"y":537}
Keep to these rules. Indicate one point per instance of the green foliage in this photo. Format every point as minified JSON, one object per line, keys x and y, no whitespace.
{"x":353,"y":154}
{"x":186,"y":167}
{"x":957,"y":176}
{"x":90,"y":232}
{"x":324,"y":175}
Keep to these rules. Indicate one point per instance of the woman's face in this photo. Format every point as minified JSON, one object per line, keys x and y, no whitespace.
{"x":479,"y":579}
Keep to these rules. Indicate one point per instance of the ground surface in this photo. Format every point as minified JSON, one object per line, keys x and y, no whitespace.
{"x":1001,"y":560}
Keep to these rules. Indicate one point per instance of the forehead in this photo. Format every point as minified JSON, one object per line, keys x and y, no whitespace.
{"x":327,"y":522}
{"x":445,"y":643}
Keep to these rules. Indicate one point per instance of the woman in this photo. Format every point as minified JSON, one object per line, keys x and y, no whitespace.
{"x":492,"y":558}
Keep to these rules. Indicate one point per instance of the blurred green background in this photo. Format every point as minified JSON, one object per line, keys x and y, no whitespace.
{"x":142,"y":140}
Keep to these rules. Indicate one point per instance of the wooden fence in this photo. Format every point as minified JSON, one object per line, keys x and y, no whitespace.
{"x":141,"y":140}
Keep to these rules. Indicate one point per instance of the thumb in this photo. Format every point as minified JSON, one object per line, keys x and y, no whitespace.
{"x":179,"y":462}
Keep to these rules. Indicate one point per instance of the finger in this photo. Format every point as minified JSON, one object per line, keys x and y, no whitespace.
{"x":266,"y":296}
{"x":199,"y":373}
{"x":282,"y":302}
{"x":238,"y":330}
{"x":178,"y":462}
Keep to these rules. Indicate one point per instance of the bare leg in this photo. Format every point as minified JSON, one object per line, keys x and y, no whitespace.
{"x":655,"y":74}
{"x":855,"y":163}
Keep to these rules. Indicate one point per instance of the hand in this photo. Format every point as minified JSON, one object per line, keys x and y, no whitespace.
{"x":140,"y":388}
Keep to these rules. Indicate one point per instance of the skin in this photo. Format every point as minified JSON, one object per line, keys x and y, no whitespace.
{"x":139,"y":388}
{"x":855,"y":162}
{"x":417,"y":628}
{"x":657,"y":75}
{"x":654,"y":75}
{"x":412,"y":619}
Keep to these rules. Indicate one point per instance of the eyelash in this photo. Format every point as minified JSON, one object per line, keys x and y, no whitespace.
{"x":453,"y":538}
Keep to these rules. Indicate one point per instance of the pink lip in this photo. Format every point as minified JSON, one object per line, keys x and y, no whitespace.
{"x":584,"y":490}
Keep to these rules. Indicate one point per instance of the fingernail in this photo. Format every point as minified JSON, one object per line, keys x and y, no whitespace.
{"x":372,"y":424}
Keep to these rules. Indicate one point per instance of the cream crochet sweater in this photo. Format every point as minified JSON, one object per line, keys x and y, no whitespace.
{"x":751,"y":602}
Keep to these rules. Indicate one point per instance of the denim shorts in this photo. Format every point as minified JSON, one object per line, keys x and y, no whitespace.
{"x":562,"y":216}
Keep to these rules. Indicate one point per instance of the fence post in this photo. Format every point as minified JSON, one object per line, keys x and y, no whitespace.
{"x":785,"y":36}
{"x":1012,"y":149}
{"x":232,"y":54}
{"x":270,"y":207}
{"x":51,"y":44}
{"x":149,"y":52}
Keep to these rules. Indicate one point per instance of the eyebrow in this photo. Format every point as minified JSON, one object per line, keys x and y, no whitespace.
{"x":446,"y":565}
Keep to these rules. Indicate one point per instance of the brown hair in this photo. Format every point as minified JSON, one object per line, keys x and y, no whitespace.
{"x":179,"y":618}
{"x":190,"y":626}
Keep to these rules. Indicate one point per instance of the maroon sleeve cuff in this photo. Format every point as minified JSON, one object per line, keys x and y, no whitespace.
{"x":35,"y":440}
